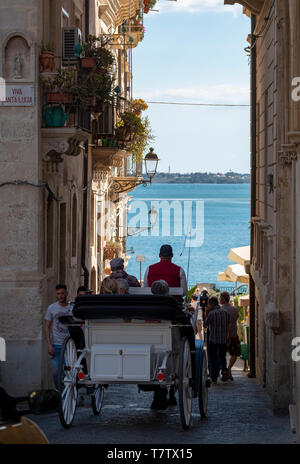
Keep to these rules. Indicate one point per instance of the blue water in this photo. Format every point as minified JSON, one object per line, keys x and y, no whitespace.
{"x":225,"y":225}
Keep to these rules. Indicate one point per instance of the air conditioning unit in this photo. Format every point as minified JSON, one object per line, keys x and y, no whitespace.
{"x":71,"y":36}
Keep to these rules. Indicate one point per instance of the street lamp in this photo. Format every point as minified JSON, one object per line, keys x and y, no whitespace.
{"x":151,"y":161}
{"x":126,"y":184}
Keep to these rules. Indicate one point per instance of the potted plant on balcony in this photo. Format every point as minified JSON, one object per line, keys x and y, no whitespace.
{"x":95,"y":55}
{"x":111,"y":250}
{"x":137,"y":106}
{"x":137,"y":146}
{"x":47,"y":57}
{"x":129,"y":126}
{"x":94,"y":88}
{"x":88,"y":59}
{"x":61,"y":89}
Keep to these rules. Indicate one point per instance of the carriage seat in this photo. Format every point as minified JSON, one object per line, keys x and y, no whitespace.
{"x":173,"y":291}
{"x":143,"y":307}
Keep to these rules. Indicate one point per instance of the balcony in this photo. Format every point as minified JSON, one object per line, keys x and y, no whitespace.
{"x":130,"y":178}
{"x":104,"y":157}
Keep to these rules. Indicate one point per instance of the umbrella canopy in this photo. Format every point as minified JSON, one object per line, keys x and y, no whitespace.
{"x":223,"y":277}
{"x":240,"y":255}
{"x":236,"y":273}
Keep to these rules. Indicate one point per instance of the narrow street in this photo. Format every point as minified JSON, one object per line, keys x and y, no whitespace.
{"x":239,"y":412}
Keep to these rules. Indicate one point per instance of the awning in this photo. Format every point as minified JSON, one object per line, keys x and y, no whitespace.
{"x":236,"y":273}
{"x":127,"y":10}
{"x":240,"y":255}
{"x":223,"y":277}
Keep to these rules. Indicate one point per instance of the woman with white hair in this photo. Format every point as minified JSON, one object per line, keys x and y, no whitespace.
{"x":160,"y":287}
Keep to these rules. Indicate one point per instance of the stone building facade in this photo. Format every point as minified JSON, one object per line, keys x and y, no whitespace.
{"x":53,"y":180}
{"x":275,"y":52}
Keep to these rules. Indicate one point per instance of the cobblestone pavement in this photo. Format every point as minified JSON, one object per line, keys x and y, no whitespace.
{"x":239,"y":412}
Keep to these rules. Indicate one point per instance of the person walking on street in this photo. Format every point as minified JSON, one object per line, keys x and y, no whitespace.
{"x":234,"y":347}
{"x":55,"y":332}
{"x":203,"y":300}
{"x":218,"y":323}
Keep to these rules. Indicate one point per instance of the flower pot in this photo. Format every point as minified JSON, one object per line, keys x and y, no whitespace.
{"x":109,"y":252}
{"x":138,"y":113}
{"x":88,"y":62}
{"x":47,"y":61}
{"x":57,"y":97}
{"x":123,"y":134}
{"x":146,"y":9}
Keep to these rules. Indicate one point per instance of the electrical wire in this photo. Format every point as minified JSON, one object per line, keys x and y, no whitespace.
{"x":26,"y":182}
{"x":198,"y":104}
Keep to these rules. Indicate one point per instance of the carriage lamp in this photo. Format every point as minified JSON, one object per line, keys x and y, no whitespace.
{"x":81,"y":375}
{"x":151,"y":161}
{"x":160,"y":376}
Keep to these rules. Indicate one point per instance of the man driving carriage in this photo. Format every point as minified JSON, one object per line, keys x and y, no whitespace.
{"x":173,"y":276}
{"x":166,"y":270}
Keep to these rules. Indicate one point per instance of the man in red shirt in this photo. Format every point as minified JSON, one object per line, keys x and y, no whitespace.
{"x":175,"y":277}
{"x":166,"y":270}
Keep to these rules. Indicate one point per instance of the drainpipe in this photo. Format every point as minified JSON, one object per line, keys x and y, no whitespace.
{"x":87,"y":18}
{"x":84,"y":217}
{"x":86,"y":273}
{"x":253,"y":194}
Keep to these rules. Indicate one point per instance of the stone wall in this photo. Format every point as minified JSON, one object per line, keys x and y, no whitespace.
{"x":27,"y":275}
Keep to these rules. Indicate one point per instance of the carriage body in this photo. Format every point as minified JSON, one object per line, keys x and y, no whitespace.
{"x":135,"y":352}
{"x":141,"y":339}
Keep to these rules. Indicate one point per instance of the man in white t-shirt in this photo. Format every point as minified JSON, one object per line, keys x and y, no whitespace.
{"x":56,"y":333}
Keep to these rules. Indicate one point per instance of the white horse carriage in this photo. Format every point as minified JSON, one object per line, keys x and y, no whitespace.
{"x":140,"y":338}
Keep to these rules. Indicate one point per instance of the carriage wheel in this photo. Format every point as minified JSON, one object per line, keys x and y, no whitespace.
{"x":203,"y":390}
{"x":67,"y":385}
{"x":97,"y":399}
{"x":185,"y":391}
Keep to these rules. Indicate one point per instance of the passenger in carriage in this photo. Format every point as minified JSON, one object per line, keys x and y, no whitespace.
{"x":117,"y":272}
{"x":124,"y":286}
{"x":160,"y":287}
{"x":166,"y":270}
{"x":110,"y":286}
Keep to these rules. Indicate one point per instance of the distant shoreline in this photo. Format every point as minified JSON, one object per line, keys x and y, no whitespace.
{"x":201,"y":178}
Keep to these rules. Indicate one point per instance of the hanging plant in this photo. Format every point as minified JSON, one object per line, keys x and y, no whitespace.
{"x":140,"y":143}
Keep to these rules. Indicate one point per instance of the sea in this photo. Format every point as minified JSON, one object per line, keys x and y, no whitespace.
{"x":201,"y":222}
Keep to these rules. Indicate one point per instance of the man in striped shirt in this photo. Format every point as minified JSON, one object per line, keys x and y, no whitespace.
{"x":218,"y":323}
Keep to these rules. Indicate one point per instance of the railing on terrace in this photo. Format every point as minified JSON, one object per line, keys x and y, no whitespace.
{"x":75,"y":115}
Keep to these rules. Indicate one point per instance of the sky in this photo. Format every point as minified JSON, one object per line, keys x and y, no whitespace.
{"x":193,"y":51}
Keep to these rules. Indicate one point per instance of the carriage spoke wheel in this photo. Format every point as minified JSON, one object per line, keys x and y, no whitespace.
{"x":203,"y":390}
{"x":97,"y":399}
{"x":185,"y":391}
{"x":67,"y":385}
